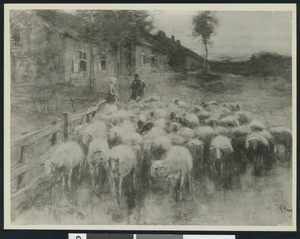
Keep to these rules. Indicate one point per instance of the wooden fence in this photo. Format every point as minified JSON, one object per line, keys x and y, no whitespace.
{"x":29,"y":151}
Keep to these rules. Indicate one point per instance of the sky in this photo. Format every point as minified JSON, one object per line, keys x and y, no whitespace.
{"x":238,"y":36}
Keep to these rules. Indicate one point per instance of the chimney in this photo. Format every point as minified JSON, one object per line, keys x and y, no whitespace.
{"x":178,"y":42}
{"x":172,"y":38}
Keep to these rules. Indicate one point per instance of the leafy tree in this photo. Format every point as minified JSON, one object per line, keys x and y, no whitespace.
{"x":205,"y":24}
{"x":117,"y":29}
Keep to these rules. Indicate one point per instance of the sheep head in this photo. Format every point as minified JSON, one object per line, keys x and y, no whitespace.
{"x":158,"y":170}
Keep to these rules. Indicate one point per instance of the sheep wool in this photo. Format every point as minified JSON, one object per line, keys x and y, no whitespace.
{"x":155,"y":132}
{"x":256,"y":125}
{"x":256,"y":137}
{"x":68,"y":155}
{"x":221,"y":142}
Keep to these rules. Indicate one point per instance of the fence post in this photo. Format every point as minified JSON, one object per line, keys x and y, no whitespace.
{"x":66,"y":125}
{"x":20,"y":178}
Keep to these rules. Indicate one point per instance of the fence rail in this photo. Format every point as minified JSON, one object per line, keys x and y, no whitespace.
{"x":25,"y":164}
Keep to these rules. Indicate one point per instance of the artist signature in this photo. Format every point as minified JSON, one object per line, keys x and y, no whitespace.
{"x":284,"y":208}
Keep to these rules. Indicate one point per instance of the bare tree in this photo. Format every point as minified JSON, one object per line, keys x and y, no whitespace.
{"x":205,"y":24}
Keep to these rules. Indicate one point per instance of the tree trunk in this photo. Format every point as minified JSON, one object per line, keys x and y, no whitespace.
{"x":119,"y":61}
{"x":206,"y":57}
{"x":91,"y":64}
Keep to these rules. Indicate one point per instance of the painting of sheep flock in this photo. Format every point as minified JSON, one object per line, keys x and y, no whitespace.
{"x":136,"y":117}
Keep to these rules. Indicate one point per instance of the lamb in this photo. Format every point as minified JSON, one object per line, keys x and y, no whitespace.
{"x":121,"y":163}
{"x":97,"y":157}
{"x":220,"y":150}
{"x":244,"y":117}
{"x":65,"y":158}
{"x":177,"y":166}
{"x":283,"y":136}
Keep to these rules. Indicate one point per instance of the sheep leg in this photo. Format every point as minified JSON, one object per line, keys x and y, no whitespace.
{"x":191,"y":186}
{"x":182,"y":179}
{"x":120,"y":191}
{"x":63,"y":182}
{"x":134,"y":178}
{"x":70,"y":179}
{"x":222,"y":169}
{"x":113,"y":189}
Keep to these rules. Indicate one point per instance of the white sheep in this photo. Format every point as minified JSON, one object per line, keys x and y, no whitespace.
{"x":160,"y":122}
{"x":65,"y":158}
{"x":154,"y":133}
{"x":228,"y":121}
{"x":122,"y":162}
{"x":186,"y":133}
{"x":190,"y":120}
{"x":177,"y":139}
{"x":205,"y":133}
{"x":220,"y":150}
{"x":257,"y":126}
{"x":97,"y":156}
{"x":176,"y":166}
{"x":244,"y":117}
{"x":160,"y":113}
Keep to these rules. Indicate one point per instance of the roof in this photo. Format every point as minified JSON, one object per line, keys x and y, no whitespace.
{"x":164,"y":44}
{"x":66,"y":23}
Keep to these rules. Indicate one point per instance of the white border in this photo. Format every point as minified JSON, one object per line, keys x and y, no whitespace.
{"x":181,"y":7}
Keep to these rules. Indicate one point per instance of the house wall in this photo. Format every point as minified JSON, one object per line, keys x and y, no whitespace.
{"x":36,"y":50}
{"x":72,"y":71}
{"x":143,"y":60}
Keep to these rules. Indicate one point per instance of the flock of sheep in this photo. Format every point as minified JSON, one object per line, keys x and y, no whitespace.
{"x":156,"y":141}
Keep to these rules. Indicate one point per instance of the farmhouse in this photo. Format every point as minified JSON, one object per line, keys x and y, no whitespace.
{"x":49,"y":46}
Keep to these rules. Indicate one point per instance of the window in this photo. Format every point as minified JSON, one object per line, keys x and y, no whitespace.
{"x":143,"y":58}
{"x":102,"y":66}
{"x":82,"y":61}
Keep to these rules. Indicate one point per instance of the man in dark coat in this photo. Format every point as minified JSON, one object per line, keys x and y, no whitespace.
{"x":137,"y":87}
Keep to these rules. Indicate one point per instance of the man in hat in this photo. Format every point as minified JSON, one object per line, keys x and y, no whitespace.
{"x":137,"y":87}
{"x":112,"y":95}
